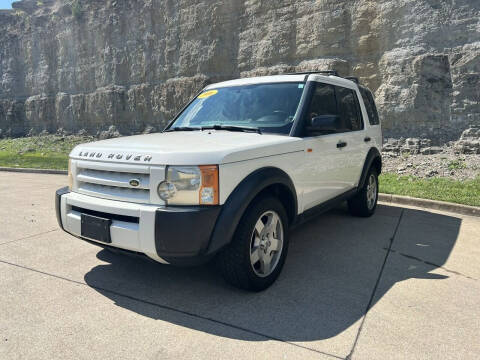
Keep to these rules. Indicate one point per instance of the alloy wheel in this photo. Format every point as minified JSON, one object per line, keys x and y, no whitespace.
{"x":371,"y":191}
{"x":266,"y":243}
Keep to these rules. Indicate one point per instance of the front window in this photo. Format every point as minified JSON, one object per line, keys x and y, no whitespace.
{"x":265,"y":107}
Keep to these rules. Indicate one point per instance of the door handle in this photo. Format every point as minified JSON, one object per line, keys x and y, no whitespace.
{"x":367,"y":139}
{"x":341,"y":144}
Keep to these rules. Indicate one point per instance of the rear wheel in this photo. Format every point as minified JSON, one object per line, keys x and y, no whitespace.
{"x":365,"y":201}
{"x":255,"y":257}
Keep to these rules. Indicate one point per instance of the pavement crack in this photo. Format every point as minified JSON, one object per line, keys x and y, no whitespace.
{"x":426,"y":262}
{"x":170,"y":308}
{"x":372,"y":296}
{"x":28,"y":237}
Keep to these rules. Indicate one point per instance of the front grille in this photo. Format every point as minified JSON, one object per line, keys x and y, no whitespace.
{"x":114,"y":185}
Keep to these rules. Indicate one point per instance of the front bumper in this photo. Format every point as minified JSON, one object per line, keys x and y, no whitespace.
{"x":170,"y":235}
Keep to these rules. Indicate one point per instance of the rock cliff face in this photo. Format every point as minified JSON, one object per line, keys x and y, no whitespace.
{"x":89,"y":64}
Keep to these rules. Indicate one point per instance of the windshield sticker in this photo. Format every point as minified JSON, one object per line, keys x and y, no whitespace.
{"x":300,"y":86}
{"x":207,"y":94}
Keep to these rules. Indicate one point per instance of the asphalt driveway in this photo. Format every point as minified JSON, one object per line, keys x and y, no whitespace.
{"x":403,"y":284}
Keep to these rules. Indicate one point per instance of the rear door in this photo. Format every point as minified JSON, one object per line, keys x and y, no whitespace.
{"x":354,"y":134}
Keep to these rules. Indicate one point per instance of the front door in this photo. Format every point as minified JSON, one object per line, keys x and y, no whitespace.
{"x":331,"y":159}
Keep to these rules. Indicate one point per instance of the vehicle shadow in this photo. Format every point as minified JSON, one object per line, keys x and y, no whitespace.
{"x":332,"y":267}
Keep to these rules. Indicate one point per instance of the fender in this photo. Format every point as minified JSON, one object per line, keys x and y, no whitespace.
{"x":373,"y":157}
{"x":240,"y":199}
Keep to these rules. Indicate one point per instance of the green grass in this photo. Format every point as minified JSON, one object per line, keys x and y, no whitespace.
{"x":461,"y":192}
{"x":34,"y":160}
{"x":40,"y":152}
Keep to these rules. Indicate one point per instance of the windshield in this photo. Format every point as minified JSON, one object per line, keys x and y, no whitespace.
{"x":266,"y":107}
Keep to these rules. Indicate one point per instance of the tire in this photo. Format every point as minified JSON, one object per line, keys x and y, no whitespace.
{"x":364,"y":202}
{"x":255,"y":239}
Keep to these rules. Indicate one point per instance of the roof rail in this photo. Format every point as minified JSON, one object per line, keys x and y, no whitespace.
{"x":326,"y":72}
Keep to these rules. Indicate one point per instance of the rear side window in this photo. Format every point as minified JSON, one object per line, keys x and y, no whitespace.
{"x":349,"y":109}
{"x":370,"y":106}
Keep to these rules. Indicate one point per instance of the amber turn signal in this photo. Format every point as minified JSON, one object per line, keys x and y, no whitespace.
{"x":208,"y":194}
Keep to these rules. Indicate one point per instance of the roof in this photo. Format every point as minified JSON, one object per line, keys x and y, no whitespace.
{"x":336,"y":80}
{"x":259,"y":80}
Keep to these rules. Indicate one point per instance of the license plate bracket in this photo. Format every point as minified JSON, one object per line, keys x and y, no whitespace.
{"x":96,"y":228}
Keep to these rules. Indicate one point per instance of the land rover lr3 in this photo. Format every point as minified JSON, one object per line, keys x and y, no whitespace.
{"x":242,"y":163}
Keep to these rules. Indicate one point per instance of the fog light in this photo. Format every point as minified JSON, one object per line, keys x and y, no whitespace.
{"x":166,"y":190}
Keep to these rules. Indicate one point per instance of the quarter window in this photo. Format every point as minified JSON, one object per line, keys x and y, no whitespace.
{"x":370,"y":106}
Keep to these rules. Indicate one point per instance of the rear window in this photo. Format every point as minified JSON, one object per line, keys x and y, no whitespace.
{"x":370,"y":106}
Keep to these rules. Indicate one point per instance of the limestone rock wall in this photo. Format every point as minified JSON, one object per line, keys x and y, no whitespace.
{"x":89,"y":64}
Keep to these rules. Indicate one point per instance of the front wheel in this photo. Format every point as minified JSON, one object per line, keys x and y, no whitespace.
{"x":255,"y":257}
{"x":365,"y":201}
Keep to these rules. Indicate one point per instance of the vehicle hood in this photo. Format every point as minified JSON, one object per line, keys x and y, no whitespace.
{"x":187,"y":148}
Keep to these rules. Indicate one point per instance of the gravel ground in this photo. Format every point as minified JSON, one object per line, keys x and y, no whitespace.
{"x":444,"y":164}
{"x":457,"y":160}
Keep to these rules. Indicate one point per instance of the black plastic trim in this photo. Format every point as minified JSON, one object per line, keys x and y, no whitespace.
{"x":58,"y":196}
{"x":95,"y":228}
{"x":240,"y":199}
{"x":184,"y":231}
{"x":315,"y":72}
{"x":187,"y":261}
{"x":373,"y":154}
{"x":325,"y":206}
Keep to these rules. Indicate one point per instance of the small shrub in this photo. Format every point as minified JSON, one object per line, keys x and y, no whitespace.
{"x":405,"y":154}
{"x":456,"y":164}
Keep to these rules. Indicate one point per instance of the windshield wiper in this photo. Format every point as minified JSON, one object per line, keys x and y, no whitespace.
{"x":183,"y":128}
{"x":216,"y":127}
{"x":232,"y":128}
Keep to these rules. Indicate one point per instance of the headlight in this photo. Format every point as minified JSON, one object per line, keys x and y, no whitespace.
{"x":166,"y":190}
{"x":70,"y":177}
{"x":190,"y":185}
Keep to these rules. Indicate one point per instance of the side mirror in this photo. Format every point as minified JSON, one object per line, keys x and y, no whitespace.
{"x":324,"y":124}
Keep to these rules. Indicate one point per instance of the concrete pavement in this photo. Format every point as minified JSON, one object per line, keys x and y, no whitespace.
{"x":402,"y":284}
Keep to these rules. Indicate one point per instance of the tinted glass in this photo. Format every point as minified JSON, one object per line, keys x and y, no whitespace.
{"x":268,"y":107}
{"x":349,"y":109}
{"x":370,"y":106}
{"x":323,"y":101}
{"x":359,"y":124}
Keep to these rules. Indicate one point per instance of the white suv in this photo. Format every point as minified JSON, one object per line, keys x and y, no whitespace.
{"x":241,"y":164}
